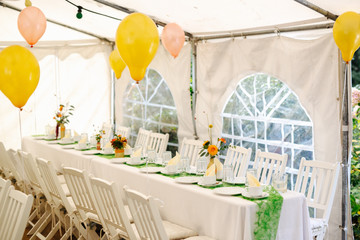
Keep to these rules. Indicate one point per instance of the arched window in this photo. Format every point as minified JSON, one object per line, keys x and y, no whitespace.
{"x":150,"y":105}
{"x":263,"y":113}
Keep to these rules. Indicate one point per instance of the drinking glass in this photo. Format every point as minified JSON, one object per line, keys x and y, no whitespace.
{"x":228,"y":174}
{"x":184,"y":164}
{"x":151,"y":154}
{"x":84,"y":136}
{"x":68,"y":133}
{"x":166,"y":157}
{"x":201,"y":165}
{"x":93,"y":141}
{"x":250,"y":171}
{"x":279,"y":182}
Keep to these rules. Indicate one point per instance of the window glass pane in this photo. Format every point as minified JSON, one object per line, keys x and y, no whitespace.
{"x":169,"y":116}
{"x":265,"y":110}
{"x":163,"y":96}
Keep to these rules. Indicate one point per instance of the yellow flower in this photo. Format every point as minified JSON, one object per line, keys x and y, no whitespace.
{"x":213,"y":150}
{"x":210,"y":126}
{"x":206,"y":142}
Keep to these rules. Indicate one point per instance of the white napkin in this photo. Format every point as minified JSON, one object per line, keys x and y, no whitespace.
{"x":75,"y":134}
{"x":108,"y":145}
{"x":252,"y":180}
{"x":68,"y":135}
{"x":128,"y":147}
{"x":82,"y":140}
{"x":175,"y":160}
{"x":137,"y":153}
{"x":219,"y":165}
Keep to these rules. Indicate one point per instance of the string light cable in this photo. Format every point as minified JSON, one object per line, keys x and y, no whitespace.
{"x":81,"y":8}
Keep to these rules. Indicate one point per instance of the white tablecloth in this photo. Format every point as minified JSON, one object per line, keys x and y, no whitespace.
{"x":198,"y":208}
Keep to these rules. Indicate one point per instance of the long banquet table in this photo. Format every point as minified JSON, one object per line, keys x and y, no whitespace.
{"x":220,"y":217}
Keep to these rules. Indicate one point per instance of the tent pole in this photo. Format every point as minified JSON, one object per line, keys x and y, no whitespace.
{"x":60,"y":24}
{"x":346,"y":142}
{"x":129,"y":11}
{"x":194,"y":85}
{"x":318,"y":9}
{"x":272,"y":30}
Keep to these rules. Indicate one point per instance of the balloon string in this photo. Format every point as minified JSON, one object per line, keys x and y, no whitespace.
{"x":20,"y":127}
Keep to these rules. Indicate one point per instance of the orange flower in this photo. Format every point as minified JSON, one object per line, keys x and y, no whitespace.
{"x":54,"y":117}
{"x":206,"y":142}
{"x":61,"y":107}
{"x":213,"y":150}
{"x":59,"y":115}
{"x":222,"y":140}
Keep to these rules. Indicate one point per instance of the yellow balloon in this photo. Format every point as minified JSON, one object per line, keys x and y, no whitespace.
{"x":346,"y":32}
{"x":137,"y":40}
{"x":116,"y":63}
{"x":19,"y":74}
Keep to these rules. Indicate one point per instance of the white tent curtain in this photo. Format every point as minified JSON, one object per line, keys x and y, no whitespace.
{"x":309,"y":67}
{"x":78,"y":75}
{"x":176,"y":73}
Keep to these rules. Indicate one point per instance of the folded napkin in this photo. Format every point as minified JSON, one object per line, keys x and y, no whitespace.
{"x":219,"y":165}
{"x":175,"y":160}
{"x":108,"y":145}
{"x":68,"y":135}
{"x":75,"y":133}
{"x":210,"y":171}
{"x":82,"y":140}
{"x":128,"y":147}
{"x":137,"y":153}
{"x":252,"y":180}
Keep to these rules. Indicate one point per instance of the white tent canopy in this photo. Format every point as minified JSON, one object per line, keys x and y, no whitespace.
{"x":73,"y":56}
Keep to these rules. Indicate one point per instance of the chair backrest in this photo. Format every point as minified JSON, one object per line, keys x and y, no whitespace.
{"x":7,"y":163}
{"x":80,"y":190}
{"x":146,"y":215}
{"x":190,"y":148}
{"x":239,"y":158}
{"x":268,"y":163}
{"x":14,"y":215}
{"x":158,"y":142}
{"x":317,"y":180}
{"x":111,"y":207}
{"x":142,"y":138}
{"x":107,"y":127}
{"x":123,"y":131}
{"x":4,"y":187}
{"x":33,"y":174}
{"x":17,"y":165}
{"x":52,"y":184}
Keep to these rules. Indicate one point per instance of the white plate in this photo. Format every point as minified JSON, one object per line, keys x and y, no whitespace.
{"x":151,"y":169}
{"x":229,"y":191}
{"x":119,"y":160}
{"x":54,"y":142}
{"x":187,"y":180}
{"x":68,"y":146}
{"x":39,"y":138}
{"x":238,"y":180}
{"x":134,"y":164}
{"x":209,"y":185}
{"x":192,"y":170}
{"x":246,"y":194}
{"x":90,"y":152}
{"x":80,"y":149}
{"x":66,"y":143}
{"x":165,"y":171}
{"x":106,"y":154}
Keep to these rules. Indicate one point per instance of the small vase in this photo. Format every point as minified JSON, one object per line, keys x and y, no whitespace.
{"x":119,"y":153}
{"x":98,"y":146}
{"x":62,"y":130}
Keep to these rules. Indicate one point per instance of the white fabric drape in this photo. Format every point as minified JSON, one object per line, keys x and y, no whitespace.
{"x":78,"y":75}
{"x":309,"y":68}
{"x":176,"y":73}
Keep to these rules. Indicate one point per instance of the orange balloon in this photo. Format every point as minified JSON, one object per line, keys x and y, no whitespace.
{"x":32,"y":24}
{"x":173,"y":38}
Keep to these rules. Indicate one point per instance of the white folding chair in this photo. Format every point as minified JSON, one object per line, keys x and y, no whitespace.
{"x":4,"y":187}
{"x":142,"y":138}
{"x":59,"y":200}
{"x":123,"y":131}
{"x":81,"y":193}
{"x":113,"y":211}
{"x":317,"y":180}
{"x":108,"y":128}
{"x":158,"y":142}
{"x":148,"y":221}
{"x":9,"y":169}
{"x":190,"y":148}
{"x":267,"y":164}
{"x":14,"y":214}
{"x":17,"y":170}
{"x":239,"y":158}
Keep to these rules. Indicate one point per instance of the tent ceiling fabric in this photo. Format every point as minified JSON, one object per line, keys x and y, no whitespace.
{"x":198,"y":17}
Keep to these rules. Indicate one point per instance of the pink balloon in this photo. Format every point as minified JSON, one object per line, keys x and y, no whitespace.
{"x":31,"y":24}
{"x":173,"y":38}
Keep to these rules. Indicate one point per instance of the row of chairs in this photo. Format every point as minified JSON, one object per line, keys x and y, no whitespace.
{"x":75,"y":201}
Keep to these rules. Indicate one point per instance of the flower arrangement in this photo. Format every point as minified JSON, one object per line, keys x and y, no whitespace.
{"x":118,"y":142}
{"x":99,"y":135}
{"x":210,"y":149}
{"x":63,"y":114}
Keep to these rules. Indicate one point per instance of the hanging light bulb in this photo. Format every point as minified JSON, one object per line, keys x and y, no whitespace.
{"x":79,"y":13}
